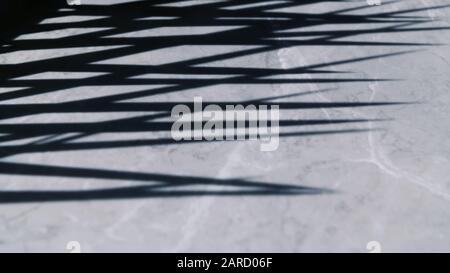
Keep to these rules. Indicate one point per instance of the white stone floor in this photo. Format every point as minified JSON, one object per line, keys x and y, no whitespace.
{"x":364,"y":153}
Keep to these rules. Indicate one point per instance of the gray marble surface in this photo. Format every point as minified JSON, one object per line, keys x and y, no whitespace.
{"x":76,"y":166}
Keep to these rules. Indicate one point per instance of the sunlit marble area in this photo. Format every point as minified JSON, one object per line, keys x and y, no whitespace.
{"x":86,"y":153}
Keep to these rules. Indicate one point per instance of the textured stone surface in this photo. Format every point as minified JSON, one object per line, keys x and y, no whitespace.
{"x":80,"y":161}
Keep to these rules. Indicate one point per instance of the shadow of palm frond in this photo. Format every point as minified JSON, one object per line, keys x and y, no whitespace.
{"x":124,"y":30}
